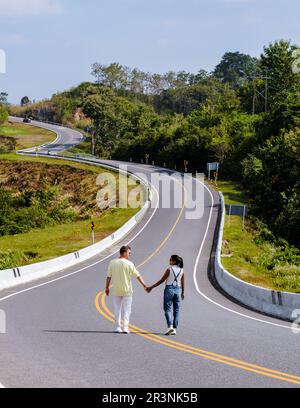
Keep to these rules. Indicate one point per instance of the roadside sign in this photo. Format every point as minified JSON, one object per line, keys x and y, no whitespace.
{"x":93,"y":226}
{"x":213,"y":167}
{"x":238,"y":210}
{"x":186,"y":163}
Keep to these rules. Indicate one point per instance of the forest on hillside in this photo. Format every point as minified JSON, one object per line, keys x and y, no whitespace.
{"x":245,"y":115}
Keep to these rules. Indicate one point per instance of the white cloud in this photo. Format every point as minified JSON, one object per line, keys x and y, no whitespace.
{"x":13,"y":39}
{"x":17,"y":8}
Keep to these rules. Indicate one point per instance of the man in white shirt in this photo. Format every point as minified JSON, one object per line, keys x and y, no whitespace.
{"x":120,"y":274}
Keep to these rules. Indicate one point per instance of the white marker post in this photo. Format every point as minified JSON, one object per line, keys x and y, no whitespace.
{"x":244,"y":217}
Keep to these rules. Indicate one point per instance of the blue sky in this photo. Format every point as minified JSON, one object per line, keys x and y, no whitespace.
{"x":51,"y":44}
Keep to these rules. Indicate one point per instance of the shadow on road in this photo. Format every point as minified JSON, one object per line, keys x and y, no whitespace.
{"x":96,"y":332}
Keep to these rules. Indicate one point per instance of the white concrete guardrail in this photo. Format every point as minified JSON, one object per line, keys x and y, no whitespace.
{"x":271,"y":302}
{"x":13,"y":277}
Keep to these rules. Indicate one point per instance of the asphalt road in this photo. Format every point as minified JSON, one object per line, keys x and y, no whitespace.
{"x":60,"y":330}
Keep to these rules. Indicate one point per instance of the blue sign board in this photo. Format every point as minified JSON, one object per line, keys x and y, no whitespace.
{"x":213,"y":166}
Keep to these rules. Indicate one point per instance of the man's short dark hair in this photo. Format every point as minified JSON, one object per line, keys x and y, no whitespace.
{"x":125,"y":249}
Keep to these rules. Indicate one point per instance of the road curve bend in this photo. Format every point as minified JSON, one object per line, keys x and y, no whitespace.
{"x":60,"y":329}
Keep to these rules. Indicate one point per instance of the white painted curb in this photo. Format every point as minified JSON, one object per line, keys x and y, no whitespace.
{"x":279,"y":304}
{"x":13,"y":277}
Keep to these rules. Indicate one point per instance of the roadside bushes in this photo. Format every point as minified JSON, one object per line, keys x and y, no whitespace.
{"x":7,"y":144}
{"x":3,"y":115}
{"x":25,"y":211}
{"x":13,"y":258}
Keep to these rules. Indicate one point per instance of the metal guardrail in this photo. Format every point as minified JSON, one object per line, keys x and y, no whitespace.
{"x":271,"y":302}
{"x":16,"y":276}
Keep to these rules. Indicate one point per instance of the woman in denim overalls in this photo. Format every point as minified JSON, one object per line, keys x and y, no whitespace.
{"x":174,"y":292}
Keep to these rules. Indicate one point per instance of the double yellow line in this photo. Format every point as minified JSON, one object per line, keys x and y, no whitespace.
{"x":266,"y":372}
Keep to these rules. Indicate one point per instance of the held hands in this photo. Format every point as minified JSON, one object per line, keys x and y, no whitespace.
{"x":148,"y":289}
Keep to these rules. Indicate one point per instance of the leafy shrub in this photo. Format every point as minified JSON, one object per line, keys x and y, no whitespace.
{"x":3,"y":115}
{"x":9,"y":258}
{"x":7,"y":144}
{"x":32,"y":209}
{"x":14,"y":258}
{"x":286,"y":277}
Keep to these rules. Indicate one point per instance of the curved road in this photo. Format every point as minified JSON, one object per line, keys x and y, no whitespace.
{"x":60,"y":330}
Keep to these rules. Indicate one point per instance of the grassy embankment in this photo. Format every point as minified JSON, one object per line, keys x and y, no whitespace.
{"x":76,"y":181}
{"x":249,"y":257}
{"x":26,"y":135}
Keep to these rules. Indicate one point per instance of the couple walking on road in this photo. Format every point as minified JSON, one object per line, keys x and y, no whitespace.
{"x":119,"y":282}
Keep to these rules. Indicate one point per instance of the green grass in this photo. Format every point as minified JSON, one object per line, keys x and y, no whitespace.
{"x":233,"y":192}
{"x":244,"y":254}
{"x":32,"y":159}
{"x":83,"y":148}
{"x":247,"y":259}
{"x":41,"y":245}
{"x":26,"y":135}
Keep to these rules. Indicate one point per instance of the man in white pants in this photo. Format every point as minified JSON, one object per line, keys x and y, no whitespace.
{"x":120,"y":274}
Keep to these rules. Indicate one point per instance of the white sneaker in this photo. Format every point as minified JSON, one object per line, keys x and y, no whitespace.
{"x":118,"y":330}
{"x":126,"y":330}
{"x":170,"y":332}
{"x":174,"y":332}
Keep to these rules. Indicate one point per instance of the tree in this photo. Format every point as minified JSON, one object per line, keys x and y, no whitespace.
{"x":276,"y":62}
{"x":3,"y":115}
{"x":139,"y":81}
{"x":235,"y":68}
{"x":272,"y":175}
{"x":3,"y":98}
{"x":114,"y":76}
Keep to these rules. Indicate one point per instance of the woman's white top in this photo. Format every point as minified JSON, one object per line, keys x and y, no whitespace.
{"x":175,"y":276}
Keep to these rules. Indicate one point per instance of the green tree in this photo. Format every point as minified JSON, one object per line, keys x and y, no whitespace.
{"x":276,"y":62}
{"x":114,"y":75}
{"x":272,"y":175}
{"x":3,"y":98}
{"x":236,"y":68}
{"x":3,"y":115}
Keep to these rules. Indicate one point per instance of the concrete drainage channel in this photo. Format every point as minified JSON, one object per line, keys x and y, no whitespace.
{"x":14,"y":277}
{"x":270,"y":302}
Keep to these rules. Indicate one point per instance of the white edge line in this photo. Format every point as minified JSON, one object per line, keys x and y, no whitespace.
{"x":88,"y":266}
{"x":194,"y":274}
{"x":82,"y":269}
{"x":211,"y":300}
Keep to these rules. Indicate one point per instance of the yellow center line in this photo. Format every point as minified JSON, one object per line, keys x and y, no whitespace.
{"x":105,"y":312}
{"x":169,"y":234}
{"x":263,"y":371}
